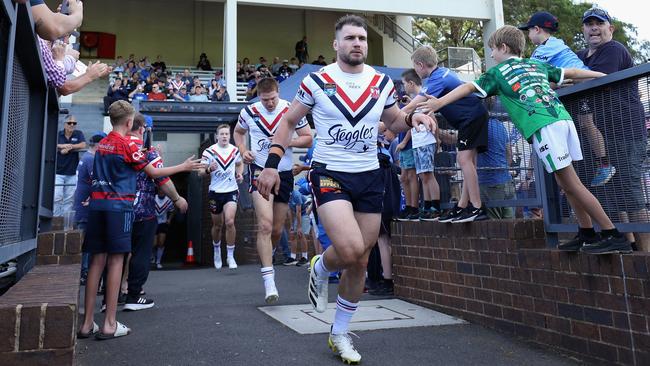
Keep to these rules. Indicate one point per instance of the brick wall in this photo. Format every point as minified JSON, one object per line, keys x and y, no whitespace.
{"x":501,"y":275}
{"x":59,"y":247}
{"x":38,"y":317}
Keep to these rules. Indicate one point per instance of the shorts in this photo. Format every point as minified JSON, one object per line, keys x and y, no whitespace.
{"x":423,"y":157}
{"x":474,"y":135}
{"x":406,"y":160}
{"x":162,"y":228}
{"x":365,"y":190}
{"x":557,"y":145}
{"x":305,"y":224}
{"x":108,"y":232}
{"x":216,"y":201}
{"x":286,"y":183}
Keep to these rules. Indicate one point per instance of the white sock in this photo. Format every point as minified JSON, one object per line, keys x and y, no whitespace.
{"x":231,"y":250}
{"x":217,"y":247}
{"x":293,"y":255}
{"x":268,"y":275}
{"x":321,"y":271}
{"x":159,"y":254}
{"x":305,"y":255}
{"x":344,"y":311}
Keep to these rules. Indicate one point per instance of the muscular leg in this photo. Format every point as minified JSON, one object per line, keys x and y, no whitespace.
{"x":264,"y":216}
{"x":279,"y":217}
{"x":229,"y":212}
{"x":217,"y":224}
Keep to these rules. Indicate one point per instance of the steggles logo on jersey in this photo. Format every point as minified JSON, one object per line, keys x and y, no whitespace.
{"x":263,"y":145}
{"x":351,"y":139}
{"x":329,"y":89}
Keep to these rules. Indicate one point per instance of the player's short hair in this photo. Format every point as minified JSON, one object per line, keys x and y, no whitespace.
{"x":267,"y":85}
{"x":120,"y":111}
{"x":222,"y":126}
{"x":349,"y":19}
{"x":411,"y":75}
{"x":425,"y":55}
{"x":138,"y":122}
{"x":512,"y":37}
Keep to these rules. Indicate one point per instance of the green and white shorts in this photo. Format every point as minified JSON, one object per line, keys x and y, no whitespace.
{"x":557,"y":145}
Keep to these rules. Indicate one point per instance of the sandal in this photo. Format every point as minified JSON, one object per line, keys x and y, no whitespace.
{"x":120,"y":331}
{"x":94,"y":330}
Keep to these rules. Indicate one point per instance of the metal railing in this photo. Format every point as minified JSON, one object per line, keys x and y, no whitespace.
{"x":388,"y":26}
{"x":28,"y":122}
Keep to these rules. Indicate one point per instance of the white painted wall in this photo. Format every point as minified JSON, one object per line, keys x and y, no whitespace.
{"x":178,"y":147}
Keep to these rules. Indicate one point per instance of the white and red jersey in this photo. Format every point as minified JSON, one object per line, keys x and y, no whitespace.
{"x":346,"y":110}
{"x":262,"y":125}
{"x":222,"y":179}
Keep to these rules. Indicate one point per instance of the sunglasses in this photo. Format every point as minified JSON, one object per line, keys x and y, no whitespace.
{"x":71,"y":123}
{"x":596,"y":12}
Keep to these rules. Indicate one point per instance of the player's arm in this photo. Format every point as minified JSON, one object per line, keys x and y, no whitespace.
{"x":239,"y":171}
{"x":304,"y":138}
{"x":434,"y":104}
{"x":50,"y":25}
{"x":188,"y":165}
{"x":398,"y":121}
{"x":206,"y":160}
{"x":240,"y":141}
{"x":169,"y":189}
{"x":581,"y":74}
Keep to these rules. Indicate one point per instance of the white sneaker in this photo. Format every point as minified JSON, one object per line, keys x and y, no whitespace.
{"x":272,"y":295}
{"x":159,"y":266}
{"x":317,"y":288}
{"x":217,"y":261}
{"x":231,"y":262}
{"x":341,"y":344}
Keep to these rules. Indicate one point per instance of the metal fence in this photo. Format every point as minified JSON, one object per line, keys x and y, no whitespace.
{"x":26,"y":155}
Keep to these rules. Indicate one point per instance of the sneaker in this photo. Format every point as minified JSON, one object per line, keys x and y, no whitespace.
{"x":217,"y":261}
{"x":576,"y":243}
{"x":451,"y":214}
{"x":271,"y":295}
{"x":603,"y":175}
{"x":341,"y":344}
{"x":385,"y":288}
{"x":471,"y":213}
{"x":121,"y":300}
{"x":429,"y":215}
{"x":403,"y":216}
{"x":302,"y":262}
{"x":159,"y":266}
{"x":140,"y":303}
{"x":231,"y":263}
{"x":290,"y":261}
{"x":317,"y":288}
{"x":608,"y":245}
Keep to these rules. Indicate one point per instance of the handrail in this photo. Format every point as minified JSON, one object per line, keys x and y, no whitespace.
{"x":394,"y":31}
{"x":630,"y":73}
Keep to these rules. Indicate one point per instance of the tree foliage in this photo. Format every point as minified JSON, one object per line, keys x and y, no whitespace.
{"x":442,"y":33}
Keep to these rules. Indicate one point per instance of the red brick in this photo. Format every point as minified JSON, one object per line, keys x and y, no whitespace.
{"x":489,"y":258}
{"x":510,"y":287}
{"x":489,"y":283}
{"x":70,"y":259}
{"x":457,"y":278}
{"x":544,"y":277}
{"x":513,"y":314}
{"x":531,"y":289}
{"x":493,"y":311}
{"x":43,"y":260}
{"x":585,"y":330}
{"x":582,"y":297}
{"x":450,"y":289}
{"x":502,"y":299}
{"x":555,"y":293}
{"x":30,"y":325}
{"x":611,"y":302}
{"x":57,"y":223}
{"x":483,"y":295}
{"x":625,"y":356}
{"x":59,"y":327}
{"x":73,"y":242}
{"x":59,"y":243}
{"x":521,"y":274}
{"x":534,"y":319}
{"x":440,"y":253}
{"x":43,"y":357}
{"x":574,"y":344}
{"x":473,"y":281}
{"x":615,"y":336}
{"x":522,"y":302}
{"x":595,"y":283}
{"x":7,"y":328}
{"x":546,"y":307}
{"x":481,"y":270}
{"x":603,"y":351}
{"x":635,"y":265}
{"x":500,"y":272}
{"x":45,"y":244}
{"x":598,"y":316}
{"x":558,"y":324}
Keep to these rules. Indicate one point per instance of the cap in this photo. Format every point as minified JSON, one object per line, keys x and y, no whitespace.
{"x":541,"y":19}
{"x":97,"y":137}
{"x":597,"y":13}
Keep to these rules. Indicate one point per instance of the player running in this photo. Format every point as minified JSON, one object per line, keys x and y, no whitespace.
{"x":347,"y":99}
{"x":225,"y":169}
{"x":262,"y":120}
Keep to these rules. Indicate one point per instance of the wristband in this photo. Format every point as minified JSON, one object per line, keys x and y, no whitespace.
{"x":278,"y":146}
{"x":273,"y":161}
{"x":409,"y":119}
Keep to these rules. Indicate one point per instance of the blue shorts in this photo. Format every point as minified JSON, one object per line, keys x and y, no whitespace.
{"x":365,"y":190}
{"x":216,"y":201}
{"x":286,"y":183}
{"x":406,"y":160}
{"x":108,"y":232}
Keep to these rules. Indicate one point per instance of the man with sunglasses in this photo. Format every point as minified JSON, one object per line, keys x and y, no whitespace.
{"x":623,"y":115}
{"x":70,"y":141}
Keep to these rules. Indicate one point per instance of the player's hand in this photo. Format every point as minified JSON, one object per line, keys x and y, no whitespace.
{"x":431,"y":105}
{"x":268,"y":182}
{"x":193,"y":164}
{"x":248,"y":156}
{"x":239,"y":177}
{"x":181,"y":204}
{"x":296,"y":169}
{"x":424,"y":121}
{"x":213,"y":166}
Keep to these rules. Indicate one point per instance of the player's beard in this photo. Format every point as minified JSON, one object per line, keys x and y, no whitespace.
{"x":352,"y":61}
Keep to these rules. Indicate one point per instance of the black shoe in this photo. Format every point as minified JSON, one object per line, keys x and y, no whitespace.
{"x":450,"y":215}
{"x":138,"y":303}
{"x":471,"y":213}
{"x":409,"y":216}
{"x":385,"y":288}
{"x":302,"y":262}
{"x":121,"y":300}
{"x":429,"y":215}
{"x":278,"y":261}
{"x":290,"y":261}
{"x":608,"y":245}
{"x":576,"y":243}
{"x":403,"y":216}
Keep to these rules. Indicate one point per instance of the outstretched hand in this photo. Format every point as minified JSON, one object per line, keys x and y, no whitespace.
{"x":431,"y":105}
{"x":193,"y":164}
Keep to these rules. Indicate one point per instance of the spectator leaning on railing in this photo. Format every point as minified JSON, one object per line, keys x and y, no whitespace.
{"x":69,"y":142}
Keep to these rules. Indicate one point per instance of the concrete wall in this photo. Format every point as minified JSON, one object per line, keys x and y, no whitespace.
{"x":394,"y":54}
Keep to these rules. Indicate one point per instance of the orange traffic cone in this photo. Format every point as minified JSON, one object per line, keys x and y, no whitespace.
{"x":189,"y":259}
